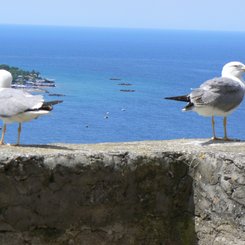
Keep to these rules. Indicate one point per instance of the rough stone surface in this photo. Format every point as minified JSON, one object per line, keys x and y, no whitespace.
{"x":151,"y":192}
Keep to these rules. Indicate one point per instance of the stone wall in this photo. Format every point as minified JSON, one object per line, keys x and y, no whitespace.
{"x":163,"y":192}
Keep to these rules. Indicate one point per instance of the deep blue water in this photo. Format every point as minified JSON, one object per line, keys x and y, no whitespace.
{"x":157,"y":63}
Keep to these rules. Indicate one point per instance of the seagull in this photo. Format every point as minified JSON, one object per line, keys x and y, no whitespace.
{"x":219,"y":96}
{"x":19,"y":106}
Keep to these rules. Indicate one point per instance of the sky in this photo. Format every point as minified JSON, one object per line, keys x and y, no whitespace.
{"x":222,"y":15}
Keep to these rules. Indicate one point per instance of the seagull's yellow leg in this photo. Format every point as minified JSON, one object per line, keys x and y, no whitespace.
{"x":19,"y":131}
{"x":225,"y":131}
{"x":3,"y":133}
{"x":213,"y":127}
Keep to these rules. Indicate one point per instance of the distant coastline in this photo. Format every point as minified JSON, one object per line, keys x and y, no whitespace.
{"x":27,"y":79}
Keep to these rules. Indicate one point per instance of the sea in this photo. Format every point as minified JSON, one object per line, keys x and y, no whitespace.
{"x":114,"y":81}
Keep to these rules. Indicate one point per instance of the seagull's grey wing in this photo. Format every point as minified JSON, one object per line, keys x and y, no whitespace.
{"x":222,"y":93}
{"x":13,"y":102}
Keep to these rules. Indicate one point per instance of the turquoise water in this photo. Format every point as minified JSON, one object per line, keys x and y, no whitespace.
{"x":157,"y":63}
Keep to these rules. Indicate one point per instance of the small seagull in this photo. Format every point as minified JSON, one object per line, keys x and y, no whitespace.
{"x":219,"y":96}
{"x":19,"y":106}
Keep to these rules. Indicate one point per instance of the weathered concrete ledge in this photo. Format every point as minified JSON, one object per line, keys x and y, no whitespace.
{"x":151,"y":192}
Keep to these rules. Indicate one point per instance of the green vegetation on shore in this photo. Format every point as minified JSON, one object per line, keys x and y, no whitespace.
{"x":22,"y":78}
{"x":16,"y":72}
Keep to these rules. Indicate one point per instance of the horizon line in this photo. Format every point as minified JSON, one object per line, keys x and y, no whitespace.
{"x":121,"y":27}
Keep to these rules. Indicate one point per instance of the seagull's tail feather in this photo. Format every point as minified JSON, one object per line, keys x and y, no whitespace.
{"x":48,"y":105}
{"x":184,"y":98}
{"x":188,"y":107}
{"x":53,"y":102}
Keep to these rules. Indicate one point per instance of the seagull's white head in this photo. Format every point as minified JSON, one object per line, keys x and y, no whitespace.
{"x":5,"y":79}
{"x":233,"y":70}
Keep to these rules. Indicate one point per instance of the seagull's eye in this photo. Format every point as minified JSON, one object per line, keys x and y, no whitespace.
{"x":237,"y":66}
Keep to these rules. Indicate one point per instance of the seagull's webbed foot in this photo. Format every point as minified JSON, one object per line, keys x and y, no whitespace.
{"x":216,"y":138}
{"x":231,"y":140}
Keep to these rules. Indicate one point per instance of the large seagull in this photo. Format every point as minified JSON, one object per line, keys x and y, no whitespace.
{"x":219,"y":96}
{"x":18,"y":105}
